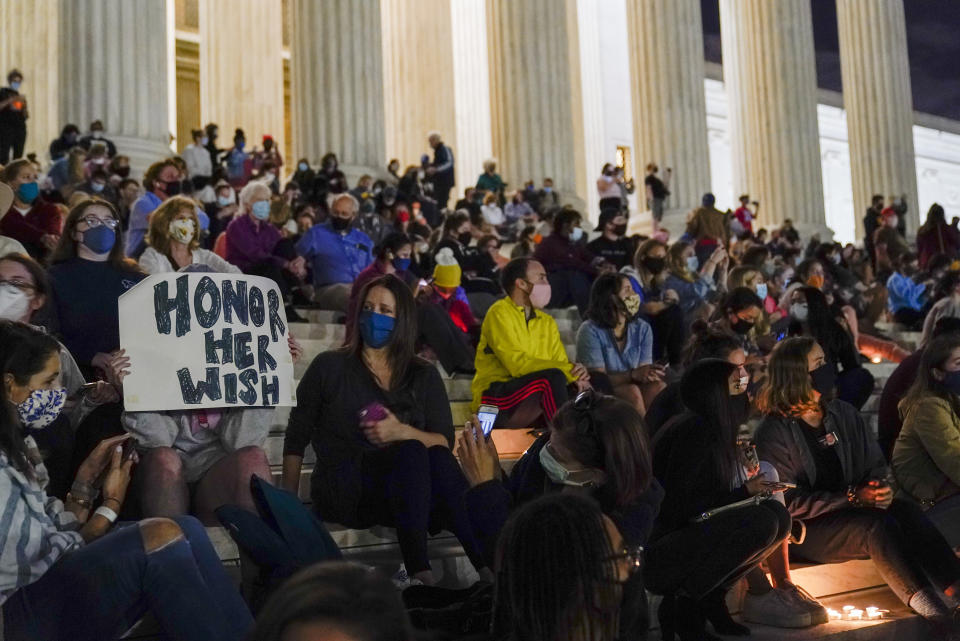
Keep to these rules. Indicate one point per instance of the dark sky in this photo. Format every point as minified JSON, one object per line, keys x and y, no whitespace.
{"x":933,"y":44}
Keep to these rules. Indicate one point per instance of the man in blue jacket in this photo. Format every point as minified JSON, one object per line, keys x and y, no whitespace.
{"x":336,"y":253}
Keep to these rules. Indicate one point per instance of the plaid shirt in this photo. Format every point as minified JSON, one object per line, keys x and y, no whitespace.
{"x":35,"y":530}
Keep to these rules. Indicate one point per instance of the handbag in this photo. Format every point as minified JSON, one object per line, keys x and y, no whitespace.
{"x":753,"y":500}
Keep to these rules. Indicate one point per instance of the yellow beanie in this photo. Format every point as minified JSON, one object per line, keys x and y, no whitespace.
{"x":447,"y":271}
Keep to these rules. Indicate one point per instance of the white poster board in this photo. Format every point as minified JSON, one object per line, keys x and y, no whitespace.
{"x":205,"y":340}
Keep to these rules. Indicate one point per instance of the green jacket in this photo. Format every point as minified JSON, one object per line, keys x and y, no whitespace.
{"x":926,"y":456}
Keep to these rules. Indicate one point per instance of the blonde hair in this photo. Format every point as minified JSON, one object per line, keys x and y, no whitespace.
{"x":158,"y":234}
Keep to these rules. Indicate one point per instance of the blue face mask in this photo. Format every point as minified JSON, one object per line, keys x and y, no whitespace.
{"x":96,"y":187}
{"x":15,"y":85}
{"x":224,"y":201}
{"x":261,"y":209}
{"x":576,"y":234}
{"x":762,"y":291}
{"x":28,"y":192}
{"x":375,"y":329}
{"x":401,"y":264}
{"x":303,"y":166}
{"x":693,"y":264}
{"x":100,"y":239}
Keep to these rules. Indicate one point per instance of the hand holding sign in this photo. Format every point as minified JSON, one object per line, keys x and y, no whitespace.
{"x":204,"y":341}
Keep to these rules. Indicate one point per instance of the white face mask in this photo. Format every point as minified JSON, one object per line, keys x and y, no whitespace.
{"x":799,"y":312}
{"x":182,"y":231}
{"x":14,"y":303}
{"x":576,"y":234}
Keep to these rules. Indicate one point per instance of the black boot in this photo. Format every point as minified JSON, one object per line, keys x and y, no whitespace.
{"x":691,"y":622}
{"x":667,"y":617}
{"x":714,"y":607}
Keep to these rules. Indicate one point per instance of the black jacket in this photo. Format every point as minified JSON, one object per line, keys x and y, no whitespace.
{"x":781,"y":443}
{"x":683,"y":462}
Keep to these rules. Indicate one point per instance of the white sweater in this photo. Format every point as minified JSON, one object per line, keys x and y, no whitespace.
{"x":153,"y":262}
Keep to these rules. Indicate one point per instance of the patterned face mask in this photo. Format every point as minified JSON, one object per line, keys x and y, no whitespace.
{"x":42,"y":407}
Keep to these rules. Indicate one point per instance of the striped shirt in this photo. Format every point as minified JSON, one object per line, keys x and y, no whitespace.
{"x":35,"y":530}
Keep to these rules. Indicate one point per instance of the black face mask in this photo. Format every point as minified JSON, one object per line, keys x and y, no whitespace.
{"x":620,"y":230}
{"x":824,"y":378}
{"x":655,"y":265}
{"x":173,"y":188}
{"x":465,"y":238}
{"x":339,"y":224}
{"x":741,"y":326}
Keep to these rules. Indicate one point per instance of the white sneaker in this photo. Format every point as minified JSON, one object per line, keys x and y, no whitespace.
{"x":774,"y":609}
{"x":401,"y":580}
{"x":818,"y":613}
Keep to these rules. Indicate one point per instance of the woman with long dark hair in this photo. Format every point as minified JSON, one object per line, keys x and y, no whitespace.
{"x":66,"y":572}
{"x":595,"y":444}
{"x":561,"y":569}
{"x":811,"y":316}
{"x":935,"y":236}
{"x":843,"y":503}
{"x":380,"y":424}
{"x":717,"y":521}
{"x":926,"y":455}
{"x":616,"y":345}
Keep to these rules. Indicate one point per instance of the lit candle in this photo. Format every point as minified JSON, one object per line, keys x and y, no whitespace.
{"x":856,"y":615}
{"x":876,"y":359}
{"x":847,"y":609}
{"x":874,"y":613}
{"x":833,"y":614}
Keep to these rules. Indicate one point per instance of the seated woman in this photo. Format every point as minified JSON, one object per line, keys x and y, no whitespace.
{"x":91,"y":580}
{"x":24,"y":290}
{"x":173,"y":240}
{"x":811,"y":316}
{"x":596,"y":444}
{"x":657,"y":304}
{"x":843,"y":505}
{"x":926,"y":455}
{"x":616,"y":345}
{"x":438,"y":330}
{"x":705,"y":342}
{"x":379,"y":421}
{"x":696,"y":287}
{"x":700,"y":550}
{"x":88,"y":274}
{"x":563,"y":566}
{"x":740,"y":311}
{"x":570,"y":265}
{"x":194,"y":461}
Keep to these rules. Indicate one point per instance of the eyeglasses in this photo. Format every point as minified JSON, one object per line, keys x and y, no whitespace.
{"x":23,"y":286}
{"x":92,"y":221}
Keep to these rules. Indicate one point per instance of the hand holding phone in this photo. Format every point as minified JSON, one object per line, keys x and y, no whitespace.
{"x":372,"y":413}
{"x":488,"y":416}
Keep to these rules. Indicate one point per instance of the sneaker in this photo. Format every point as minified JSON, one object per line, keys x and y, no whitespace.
{"x":774,"y":609}
{"x":818,"y":613}
{"x":401,"y":580}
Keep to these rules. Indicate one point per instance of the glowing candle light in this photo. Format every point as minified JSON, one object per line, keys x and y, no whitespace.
{"x":833,"y":614}
{"x":856,"y":615}
{"x":875,"y":359}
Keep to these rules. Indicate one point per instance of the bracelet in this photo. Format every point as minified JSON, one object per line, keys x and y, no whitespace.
{"x":106,"y":513}
{"x":79,"y":500}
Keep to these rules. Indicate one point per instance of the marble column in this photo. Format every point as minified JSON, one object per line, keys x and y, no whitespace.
{"x":535,"y":91}
{"x":241,"y":70}
{"x":669,"y":108}
{"x":418,"y":79}
{"x":770,"y":75}
{"x":30,"y":44}
{"x":337,"y":95}
{"x":878,"y":103}
{"x":471,"y":89}
{"x":115,"y":67}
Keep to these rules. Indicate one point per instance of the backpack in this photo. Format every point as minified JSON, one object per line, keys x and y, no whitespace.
{"x":282,"y":538}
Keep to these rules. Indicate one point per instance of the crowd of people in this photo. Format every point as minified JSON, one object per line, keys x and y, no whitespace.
{"x":699,"y":423}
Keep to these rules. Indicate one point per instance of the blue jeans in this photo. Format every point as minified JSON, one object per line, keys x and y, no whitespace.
{"x":99,"y":591}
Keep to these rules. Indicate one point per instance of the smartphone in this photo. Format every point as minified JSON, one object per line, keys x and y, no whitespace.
{"x":129,"y":447}
{"x":751,"y":460}
{"x":422,"y":283}
{"x":372,"y":413}
{"x":488,"y":416}
{"x":782,"y":485}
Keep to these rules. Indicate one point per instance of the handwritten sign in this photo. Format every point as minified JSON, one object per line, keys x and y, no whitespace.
{"x":205,"y":340}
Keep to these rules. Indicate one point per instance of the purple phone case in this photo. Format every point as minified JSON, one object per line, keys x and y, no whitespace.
{"x":373,"y":412}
